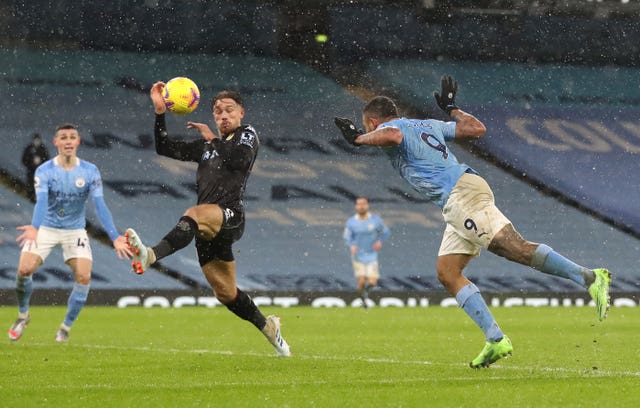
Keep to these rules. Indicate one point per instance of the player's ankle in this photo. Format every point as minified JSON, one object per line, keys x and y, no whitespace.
{"x":151,"y":256}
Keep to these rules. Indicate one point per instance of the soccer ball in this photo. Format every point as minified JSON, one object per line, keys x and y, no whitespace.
{"x":181,"y":95}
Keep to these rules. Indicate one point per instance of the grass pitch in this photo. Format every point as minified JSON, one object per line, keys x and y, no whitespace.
{"x":198,"y":357}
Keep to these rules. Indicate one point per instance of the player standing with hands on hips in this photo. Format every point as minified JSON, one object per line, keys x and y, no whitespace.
{"x":418,"y":150}
{"x":364,"y":234}
{"x":217,"y":221}
{"x":62,"y":186}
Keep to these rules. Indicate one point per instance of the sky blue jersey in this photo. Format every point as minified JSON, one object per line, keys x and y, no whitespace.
{"x":363,"y":234}
{"x":423,"y":158}
{"x":62,"y":196}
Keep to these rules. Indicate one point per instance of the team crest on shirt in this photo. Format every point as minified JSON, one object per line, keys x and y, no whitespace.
{"x":372,"y":226}
{"x":80,"y":182}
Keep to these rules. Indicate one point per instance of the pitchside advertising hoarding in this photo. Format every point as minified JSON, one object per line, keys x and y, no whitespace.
{"x":411,"y":299}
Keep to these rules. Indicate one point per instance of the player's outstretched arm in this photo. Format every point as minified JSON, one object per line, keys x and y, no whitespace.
{"x":467,"y":125}
{"x":205,"y":131}
{"x":387,"y":136}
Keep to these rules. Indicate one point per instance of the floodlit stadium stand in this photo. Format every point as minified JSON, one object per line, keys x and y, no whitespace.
{"x":302,"y":187}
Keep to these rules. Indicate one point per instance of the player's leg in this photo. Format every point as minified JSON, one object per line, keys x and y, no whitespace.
{"x":81,"y":268}
{"x":219,"y":268}
{"x":509,"y":244}
{"x":498,"y":344}
{"x":453,"y":256}
{"x":359,"y":271}
{"x":76,"y":251}
{"x":467,"y":294}
{"x":27,"y":266}
{"x":221,"y":277}
{"x":373,"y":275}
{"x":204,"y":220}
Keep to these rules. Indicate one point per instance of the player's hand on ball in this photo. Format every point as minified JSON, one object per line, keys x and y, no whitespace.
{"x":156,"y":97}
{"x":446,"y":100}
{"x":348,"y":129}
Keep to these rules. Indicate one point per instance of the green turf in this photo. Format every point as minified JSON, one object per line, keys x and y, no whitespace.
{"x":197,"y":357}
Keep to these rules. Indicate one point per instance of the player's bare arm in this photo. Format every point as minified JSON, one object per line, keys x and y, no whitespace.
{"x":467,"y":125}
{"x":204,"y":129}
{"x":156,"y":97}
{"x":388,"y":136}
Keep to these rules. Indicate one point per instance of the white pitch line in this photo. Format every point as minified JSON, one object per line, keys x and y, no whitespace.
{"x":582,"y":372}
{"x":293,"y":383}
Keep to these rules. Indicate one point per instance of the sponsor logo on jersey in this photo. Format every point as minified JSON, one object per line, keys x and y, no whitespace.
{"x":228,"y":214}
{"x":210,"y":154}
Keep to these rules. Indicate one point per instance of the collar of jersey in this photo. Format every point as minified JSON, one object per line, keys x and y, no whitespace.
{"x":57,"y":162}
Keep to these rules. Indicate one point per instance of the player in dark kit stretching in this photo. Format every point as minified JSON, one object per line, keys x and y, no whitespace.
{"x":217,"y":221}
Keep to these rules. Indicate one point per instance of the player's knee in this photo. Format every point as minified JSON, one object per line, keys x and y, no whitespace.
{"x":225,"y":296}
{"x":447,"y":273}
{"x":24,"y":272}
{"x":83,"y":279}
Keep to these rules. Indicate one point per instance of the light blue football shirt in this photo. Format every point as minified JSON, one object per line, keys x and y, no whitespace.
{"x":363,"y":234}
{"x":424,"y":159}
{"x":67,"y":192}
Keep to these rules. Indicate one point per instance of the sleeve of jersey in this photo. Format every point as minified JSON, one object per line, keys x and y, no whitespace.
{"x":384,"y":231}
{"x":42,"y":198}
{"x":449,"y":130}
{"x":347,"y":235}
{"x":184,"y":151}
{"x":101,"y":207}
{"x":105,"y":217}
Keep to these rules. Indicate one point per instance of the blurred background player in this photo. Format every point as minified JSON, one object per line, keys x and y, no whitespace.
{"x":217,"y":221}
{"x":364,"y":234}
{"x":418,"y":150}
{"x":34,"y":154}
{"x":63,"y":186}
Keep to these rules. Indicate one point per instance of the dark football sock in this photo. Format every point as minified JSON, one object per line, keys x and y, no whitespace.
{"x":244,"y":308}
{"x":179,"y":237}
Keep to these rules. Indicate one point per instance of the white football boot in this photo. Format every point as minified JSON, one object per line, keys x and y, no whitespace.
{"x":272,"y":332}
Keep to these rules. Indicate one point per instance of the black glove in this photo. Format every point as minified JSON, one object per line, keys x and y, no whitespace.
{"x":348,"y":129}
{"x":447,"y":100}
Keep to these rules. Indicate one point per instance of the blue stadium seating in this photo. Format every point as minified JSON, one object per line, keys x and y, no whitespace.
{"x":302,"y":186}
{"x":571,"y":129}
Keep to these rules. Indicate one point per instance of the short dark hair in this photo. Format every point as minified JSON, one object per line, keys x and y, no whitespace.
{"x":66,"y":125}
{"x":227,"y":94}
{"x":381,"y":107}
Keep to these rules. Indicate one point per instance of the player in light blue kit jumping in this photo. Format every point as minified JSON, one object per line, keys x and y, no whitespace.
{"x":364,"y":234}
{"x":418,"y":150}
{"x":63,"y":185}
